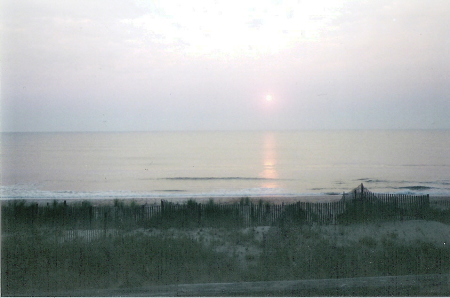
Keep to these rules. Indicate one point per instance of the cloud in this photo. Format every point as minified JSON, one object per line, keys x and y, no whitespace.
{"x":246,"y":28}
{"x":138,"y":65}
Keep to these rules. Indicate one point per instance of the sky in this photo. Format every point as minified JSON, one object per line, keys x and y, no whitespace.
{"x":138,"y":65}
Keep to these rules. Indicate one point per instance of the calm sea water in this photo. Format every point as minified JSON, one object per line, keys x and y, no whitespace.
{"x":183,"y":164}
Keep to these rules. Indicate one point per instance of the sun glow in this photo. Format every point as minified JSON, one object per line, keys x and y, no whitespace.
{"x":249,"y":28}
{"x":269,"y":162}
{"x":269,"y":97}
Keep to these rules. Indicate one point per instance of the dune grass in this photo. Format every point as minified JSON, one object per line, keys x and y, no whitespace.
{"x":37,"y":260}
{"x":36,"y":264}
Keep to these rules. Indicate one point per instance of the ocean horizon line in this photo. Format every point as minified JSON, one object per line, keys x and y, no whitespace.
{"x":229,"y":130}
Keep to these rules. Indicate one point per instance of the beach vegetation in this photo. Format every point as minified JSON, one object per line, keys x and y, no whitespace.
{"x":293,"y":214}
{"x":441,"y":215}
{"x":245,"y":201}
{"x":44,"y":265}
{"x":59,"y":248}
{"x":86,"y":204}
{"x":368,"y":241}
{"x":119,"y":203}
{"x":357,"y":211}
{"x":194,"y":215}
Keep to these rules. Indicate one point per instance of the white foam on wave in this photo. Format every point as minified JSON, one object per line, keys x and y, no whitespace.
{"x":31,"y":192}
{"x":21,"y":191}
{"x":28,"y":192}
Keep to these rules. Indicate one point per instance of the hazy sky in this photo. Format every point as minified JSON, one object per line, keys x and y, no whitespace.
{"x":86,"y":65}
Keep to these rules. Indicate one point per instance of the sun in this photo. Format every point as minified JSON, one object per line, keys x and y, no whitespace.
{"x":268,"y":97}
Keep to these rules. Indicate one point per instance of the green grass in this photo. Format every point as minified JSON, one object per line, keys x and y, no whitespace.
{"x":36,"y":264}
{"x":195,"y":215}
{"x":36,"y":261}
{"x":291,"y":255}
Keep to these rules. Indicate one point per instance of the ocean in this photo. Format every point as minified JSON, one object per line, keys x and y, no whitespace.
{"x":127,"y":165}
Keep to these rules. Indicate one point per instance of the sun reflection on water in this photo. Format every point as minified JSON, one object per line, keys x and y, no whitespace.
{"x":269,"y":162}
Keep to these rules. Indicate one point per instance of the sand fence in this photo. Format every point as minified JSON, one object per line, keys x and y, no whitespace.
{"x":358,"y":205}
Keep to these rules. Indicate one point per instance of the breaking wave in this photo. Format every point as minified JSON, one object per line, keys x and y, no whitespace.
{"x":215,"y":178}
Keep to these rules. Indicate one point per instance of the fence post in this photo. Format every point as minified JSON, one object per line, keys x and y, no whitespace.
{"x":105,"y":219}
{"x":90,"y":216}
{"x":64,"y":211}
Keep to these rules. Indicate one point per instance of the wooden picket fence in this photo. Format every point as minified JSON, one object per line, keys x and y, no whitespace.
{"x":440,"y":204}
{"x":61,"y":222}
{"x":109,"y":217}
